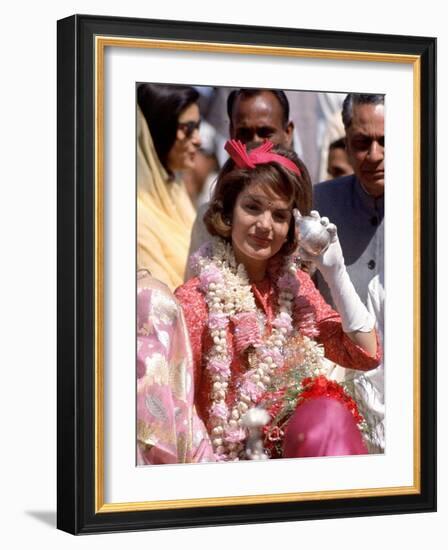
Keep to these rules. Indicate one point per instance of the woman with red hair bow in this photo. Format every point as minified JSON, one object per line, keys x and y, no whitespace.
{"x":261,"y":333}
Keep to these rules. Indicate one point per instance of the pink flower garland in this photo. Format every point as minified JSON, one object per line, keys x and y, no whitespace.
{"x":216,"y":366}
{"x":229,"y":297}
{"x":210,"y":275}
{"x":217,"y":321}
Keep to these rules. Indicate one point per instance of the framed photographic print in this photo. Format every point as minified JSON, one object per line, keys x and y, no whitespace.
{"x":154,"y":429}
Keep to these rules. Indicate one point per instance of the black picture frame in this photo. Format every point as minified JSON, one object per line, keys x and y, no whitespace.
{"x":78,"y":509}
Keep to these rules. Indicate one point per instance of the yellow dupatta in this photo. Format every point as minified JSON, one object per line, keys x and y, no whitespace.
{"x":165,"y":214}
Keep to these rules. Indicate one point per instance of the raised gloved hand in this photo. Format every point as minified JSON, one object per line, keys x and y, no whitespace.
{"x":330,"y":263}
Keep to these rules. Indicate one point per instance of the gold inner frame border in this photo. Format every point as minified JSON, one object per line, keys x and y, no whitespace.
{"x":100,"y":44}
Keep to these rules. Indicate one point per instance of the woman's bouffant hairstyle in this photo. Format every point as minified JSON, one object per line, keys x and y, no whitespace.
{"x":161,"y":105}
{"x":273,"y":176}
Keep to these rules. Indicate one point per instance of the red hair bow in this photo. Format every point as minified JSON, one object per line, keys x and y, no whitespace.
{"x":261,"y":155}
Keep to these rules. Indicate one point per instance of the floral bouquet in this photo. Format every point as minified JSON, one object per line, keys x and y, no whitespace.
{"x":303,"y":376}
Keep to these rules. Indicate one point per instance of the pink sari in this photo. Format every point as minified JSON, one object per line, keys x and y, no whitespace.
{"x":168,"y":429}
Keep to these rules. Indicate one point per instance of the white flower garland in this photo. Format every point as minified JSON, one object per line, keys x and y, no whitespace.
{"x":229,"y":296}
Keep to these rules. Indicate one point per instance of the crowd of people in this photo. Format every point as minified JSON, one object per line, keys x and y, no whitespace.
{"x":250,"y":345}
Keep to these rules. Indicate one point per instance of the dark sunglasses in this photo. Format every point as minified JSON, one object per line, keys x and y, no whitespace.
{"x":189,"y":127}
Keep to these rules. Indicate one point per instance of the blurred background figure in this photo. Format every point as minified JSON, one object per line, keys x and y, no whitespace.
{"x":199,"y":180}
{"x":334,"y":161}
{"x":168,"y":140}
{"x":338,"y":164}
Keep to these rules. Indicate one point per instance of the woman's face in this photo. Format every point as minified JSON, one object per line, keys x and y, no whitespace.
{"x":260,"y":224}
{"x":183,"y":152}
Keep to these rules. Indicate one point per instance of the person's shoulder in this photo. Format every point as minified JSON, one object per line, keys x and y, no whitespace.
{"x":154,"y":298}
{"x":189,"y":288}
{"x":331,"y":198}
{"x":145,"y":281}
{"x":147,"y":285}
{"x":202,"y":209}
{"x":331,"y":187}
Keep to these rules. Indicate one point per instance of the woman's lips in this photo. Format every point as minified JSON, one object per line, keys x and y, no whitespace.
{"x":261,"y":241}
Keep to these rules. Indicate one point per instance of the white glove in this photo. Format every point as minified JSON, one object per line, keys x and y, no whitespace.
{"x":354,"y":314}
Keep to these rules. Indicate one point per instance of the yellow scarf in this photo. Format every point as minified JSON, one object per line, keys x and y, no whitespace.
{"x":165,"y":214}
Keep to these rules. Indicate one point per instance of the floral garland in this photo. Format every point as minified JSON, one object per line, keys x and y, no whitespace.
{"x":302,"y":377}
{"x":229,"y":296}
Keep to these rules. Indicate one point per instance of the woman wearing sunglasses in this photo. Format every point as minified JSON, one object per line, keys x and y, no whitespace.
{"x":167,"y":142}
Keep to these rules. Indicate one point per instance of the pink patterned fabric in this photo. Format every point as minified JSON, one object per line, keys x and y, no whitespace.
{"x":168,"y":428}
{"x":327,"y":330}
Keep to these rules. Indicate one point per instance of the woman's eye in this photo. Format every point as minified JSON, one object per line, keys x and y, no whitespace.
{"x":252,"y":208}
{"x":281,"y":217}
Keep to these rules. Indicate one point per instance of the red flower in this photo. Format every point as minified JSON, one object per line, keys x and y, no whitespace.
{"x":320,"y":386}
{"x":321,"y":381}
{"x":275,"y":434}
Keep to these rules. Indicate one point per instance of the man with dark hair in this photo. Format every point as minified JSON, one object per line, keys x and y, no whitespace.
{"x":255,"y":115}
{"x":355,"y":204}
